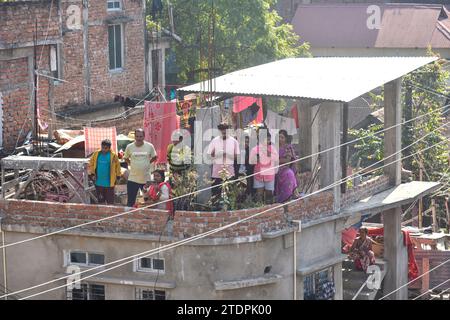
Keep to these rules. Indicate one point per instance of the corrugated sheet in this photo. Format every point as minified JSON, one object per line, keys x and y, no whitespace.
{"x":338,"y":79}
{"x":345,"y":26}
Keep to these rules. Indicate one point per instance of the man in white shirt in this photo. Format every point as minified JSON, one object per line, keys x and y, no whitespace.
{"x":223,"y":150}
{"x":140,"y":156}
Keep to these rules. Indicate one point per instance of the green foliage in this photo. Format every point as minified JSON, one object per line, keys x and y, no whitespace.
{"x":369,"y":149}
{"x":246,"y":33}
{"x":434,"y":160}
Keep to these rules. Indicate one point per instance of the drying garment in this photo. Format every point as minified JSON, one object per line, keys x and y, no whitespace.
{"x":248,"y":115}
{"x":413,"y":269}
{"x":326,"y":291}
{"x":95,"y":136}
{"x":160,"y":121}
{"x":294,"y":115}
{"x":242,"y":103}
{"x":275,"y":123}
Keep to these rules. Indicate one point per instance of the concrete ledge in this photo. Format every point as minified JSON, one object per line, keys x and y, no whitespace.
{"x":23,"y":228}
{"x":278,"y":233}
{"x":320,"y":265}
{"x":131,"y":282}
{"x":246,"y":283}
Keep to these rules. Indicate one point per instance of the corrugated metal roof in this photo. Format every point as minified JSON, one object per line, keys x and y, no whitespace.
{"x":345,"y":26}
{"x":338,"y":79}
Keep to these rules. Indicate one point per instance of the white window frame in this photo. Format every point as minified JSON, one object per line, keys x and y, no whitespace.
{"x":87,"y":264}
{"x":114,"y":1}
{"x":69,"y":292}
{"x":139,"y":293}
{"x":122,"y":49}
{"x":137,"y":266}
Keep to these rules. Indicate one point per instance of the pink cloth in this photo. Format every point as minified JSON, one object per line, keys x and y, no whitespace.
{"x":160,"y":120}
{"x":224,"y":152}
{"x":267,"y":163}
{"x":95,"y":136}
{"x":242,"y":103}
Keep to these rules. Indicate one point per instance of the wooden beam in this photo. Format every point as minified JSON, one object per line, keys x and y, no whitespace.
{"x":426,"y":277}
{"x":433,"y":211}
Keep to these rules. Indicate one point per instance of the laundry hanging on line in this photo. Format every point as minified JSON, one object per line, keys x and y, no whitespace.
{"x":160,"y":120}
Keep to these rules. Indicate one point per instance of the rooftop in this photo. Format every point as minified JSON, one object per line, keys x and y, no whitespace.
{"x":346,"y":26}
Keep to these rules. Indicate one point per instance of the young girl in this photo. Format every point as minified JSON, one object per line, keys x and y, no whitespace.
{"x":159,"y":191}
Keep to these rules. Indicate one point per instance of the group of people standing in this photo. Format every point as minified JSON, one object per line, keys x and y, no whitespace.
{"x":105,"y":171}
{"x":270,"y":171}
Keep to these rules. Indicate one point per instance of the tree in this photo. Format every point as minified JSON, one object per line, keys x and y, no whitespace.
{"x":237,"y":34}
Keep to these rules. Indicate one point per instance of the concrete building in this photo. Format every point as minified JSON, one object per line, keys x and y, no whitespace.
{"x":266,"y":257}
{"x":374,"y":29}
{"x":87,"y":53}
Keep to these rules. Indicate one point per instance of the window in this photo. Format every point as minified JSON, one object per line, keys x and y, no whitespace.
{"x":150,"y":265}
{"x":87,"y":292}
{"x":86,"y":258}
{"x":149,"y":294}
{"x":55,"y":63}
{"x":319,"y":285}
{"x":114,"y":5}
{"x":115,"y":46}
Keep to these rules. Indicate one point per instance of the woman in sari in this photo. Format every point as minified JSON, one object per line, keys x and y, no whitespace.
{"x":361,"y":251}
{"x":286,"y":181}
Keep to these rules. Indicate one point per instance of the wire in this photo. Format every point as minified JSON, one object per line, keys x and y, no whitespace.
{"x":422,"y":275}
{"x":211,"y":187}
{"x":87,"y":87}
{"x":432,"y":298}
{"x":179,"y":243}
{"x":46,"y":35}
{"x":430,"y":290}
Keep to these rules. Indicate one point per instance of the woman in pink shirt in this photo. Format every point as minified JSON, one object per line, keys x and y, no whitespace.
{"x":265,"y":157}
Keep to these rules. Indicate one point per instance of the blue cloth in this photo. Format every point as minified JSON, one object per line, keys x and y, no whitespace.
{"x":103,"y":170}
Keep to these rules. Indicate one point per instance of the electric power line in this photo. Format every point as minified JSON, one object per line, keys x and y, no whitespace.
{"x":170,"y":246}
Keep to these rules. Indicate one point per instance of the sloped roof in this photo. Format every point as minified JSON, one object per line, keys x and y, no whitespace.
{"x":336,"y":79}
{"x":345,"y":26}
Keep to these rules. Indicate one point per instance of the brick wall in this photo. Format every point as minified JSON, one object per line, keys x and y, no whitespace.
{"x":18,"y":19}
{"x":190,"y":223}
{"x":439,"y":275}
{"x":313,"y":207}
{"x":59,"y":215}
{"x":104,"y":83}
{"x":185,"y":223}
{"x":17,"y":31}
{"x":16,"y":97}
{"x":364,"y":190}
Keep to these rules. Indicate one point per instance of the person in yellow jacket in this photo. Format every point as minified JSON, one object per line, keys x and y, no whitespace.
{"x":104,"y":168}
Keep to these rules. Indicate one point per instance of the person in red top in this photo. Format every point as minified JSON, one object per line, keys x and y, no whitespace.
{"x":160,"y":190}
{"x":266,"y":160}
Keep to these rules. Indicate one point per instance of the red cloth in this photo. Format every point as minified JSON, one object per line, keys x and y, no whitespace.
{"x":95,"y":136}
{"x":349,"y":235}
{"x":242,"y":103}
{"x":294,"y":114}
{"x":160,"y":120}
{"x":413,"y":269}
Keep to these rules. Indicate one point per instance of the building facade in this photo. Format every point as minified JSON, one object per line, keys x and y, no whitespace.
{"x":87,"y":53}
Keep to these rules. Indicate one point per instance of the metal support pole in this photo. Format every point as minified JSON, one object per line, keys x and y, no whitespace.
{"x":298,"y":229}
{"x":5,"y":283}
